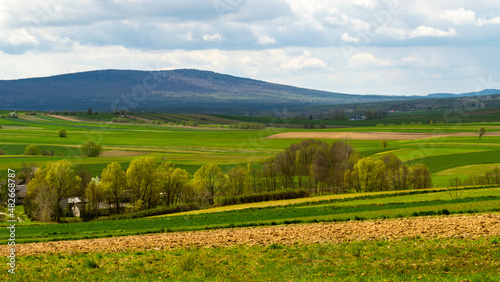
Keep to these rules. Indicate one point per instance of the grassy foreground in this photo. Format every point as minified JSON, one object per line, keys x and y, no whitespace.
{"x":408,"y":259}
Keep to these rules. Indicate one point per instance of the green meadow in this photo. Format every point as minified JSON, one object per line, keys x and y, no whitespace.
{"x":190,"y":148}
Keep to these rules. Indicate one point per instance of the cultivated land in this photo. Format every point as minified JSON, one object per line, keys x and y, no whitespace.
{"x":434,"y":234}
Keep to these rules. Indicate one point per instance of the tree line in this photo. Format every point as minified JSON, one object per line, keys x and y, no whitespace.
{"x":311,"y":165}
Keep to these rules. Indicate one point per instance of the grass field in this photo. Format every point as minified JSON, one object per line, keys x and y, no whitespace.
{"x":334,"y":208}
{"x":191,"y":148}
{"x":412,"y":259}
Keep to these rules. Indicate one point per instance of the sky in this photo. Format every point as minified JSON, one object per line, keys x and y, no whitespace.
{"x":359,"y":47}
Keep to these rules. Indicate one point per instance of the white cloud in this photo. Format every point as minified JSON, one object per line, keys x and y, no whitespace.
{"x":347,"y":38}
{"x":358,"y":24}
{"x":188,"y":36}
{"x":393,"y":32}
{"x":367,"y":60}
{"x":266,"y":40}
{"x":492,"y":21}
{"x":303,"y":62}
{"x":18,"y":37}
{"x":213,"y":37}
{"x":460,"y":16}
{"x":425,"y":31}
{"x":421,"y":31}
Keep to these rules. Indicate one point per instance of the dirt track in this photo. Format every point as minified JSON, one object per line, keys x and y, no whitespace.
{"x":447,"y":226}
{"x":374,"y":135}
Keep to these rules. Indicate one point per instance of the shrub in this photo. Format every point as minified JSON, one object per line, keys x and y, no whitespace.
{"x":91,"y":149}
{"x":31,"y":150}
{"x":62,"y":133}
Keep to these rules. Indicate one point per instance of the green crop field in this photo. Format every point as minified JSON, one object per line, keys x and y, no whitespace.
{"x":192,"y":147}
{"x":354,"y":207}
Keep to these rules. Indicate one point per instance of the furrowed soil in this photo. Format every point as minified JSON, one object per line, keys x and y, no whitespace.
{"x":471,"y":226}
{"x":374,"y":135}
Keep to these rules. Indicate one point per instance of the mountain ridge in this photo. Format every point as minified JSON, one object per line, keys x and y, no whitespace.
{"x":180,"y":90}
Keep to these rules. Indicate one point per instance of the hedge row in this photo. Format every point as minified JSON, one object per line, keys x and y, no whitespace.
{"x":262,"y":197}
{"x":156,"y":211}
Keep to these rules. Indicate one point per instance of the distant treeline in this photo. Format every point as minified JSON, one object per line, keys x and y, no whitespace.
{"x":489,"y":177}
{"x":245,"y":125}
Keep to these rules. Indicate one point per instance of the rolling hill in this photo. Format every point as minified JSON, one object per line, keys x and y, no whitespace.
{"x":182,"y":90}
{"x":174,"y":91}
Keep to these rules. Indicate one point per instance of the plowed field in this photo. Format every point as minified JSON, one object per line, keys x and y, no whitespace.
{"x":373,"y":135}
{"x":442,"y":227}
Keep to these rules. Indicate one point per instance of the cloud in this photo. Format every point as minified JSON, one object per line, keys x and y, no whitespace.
{"x":358,"y":24}
{"x":367,"y":59}
{"x":304,"y":63}
{"x":492,"y":21}
{"x":425,"y":31}
{"x":213,"y":37}
{"x":421,"y":31}
{"x":347,"y":38}
{"x":188,"y":36}
{"x":460,"y":16}
{"x":266,"y":40}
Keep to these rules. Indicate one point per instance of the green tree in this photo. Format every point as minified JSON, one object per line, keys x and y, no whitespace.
{"x":172,"y":182}
{"x":367,"y":175}
{"x":49,"y":186}
{"x":209,"y":179}
{"x":237,"y":181}
{"x":94,"y":194}
{"x":420,"y":176}
{"x":384,"y":144}
{"x":114,"y":182}
{"x":62,"y":133}
{"x":91,"y":149}
{"x":482,"y":131}
{"x":31,"y":150}
{"x":142,"y":180}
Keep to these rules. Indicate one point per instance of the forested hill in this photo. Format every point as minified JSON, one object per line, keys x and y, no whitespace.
{"x":182,"y":90}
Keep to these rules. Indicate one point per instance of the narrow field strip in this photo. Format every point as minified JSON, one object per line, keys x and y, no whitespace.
{"x":482,"y":225}
{"x":374,"y":135}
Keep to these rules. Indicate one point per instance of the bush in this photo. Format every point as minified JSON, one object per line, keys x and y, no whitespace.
{"x":91,"y":149}
{"x":62,"y":133}
{"x":31,"y":150}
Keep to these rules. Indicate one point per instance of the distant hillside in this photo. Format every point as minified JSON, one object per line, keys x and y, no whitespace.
{"x":174,"y":91}
{"x":170,"y":91}
{"x":479,"y":93}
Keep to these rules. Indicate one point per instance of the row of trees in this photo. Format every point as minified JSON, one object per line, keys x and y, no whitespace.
{"x":247,"y":125}
{"x":313,"y":164}
{"x":310,"y":165}
{"x":88,"y":149}
{"x":489,"y":177}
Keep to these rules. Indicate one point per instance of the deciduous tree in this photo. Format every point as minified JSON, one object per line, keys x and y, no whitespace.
{"x":114,"y":183}
{"x":142,"y":181}
{"x":209,"y":179}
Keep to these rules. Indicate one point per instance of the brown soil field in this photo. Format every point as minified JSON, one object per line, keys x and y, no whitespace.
{"x":374,"y":135}
{"x":65,"y":118}
{"x":470,"y":226}
{"x":118,"y":153}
